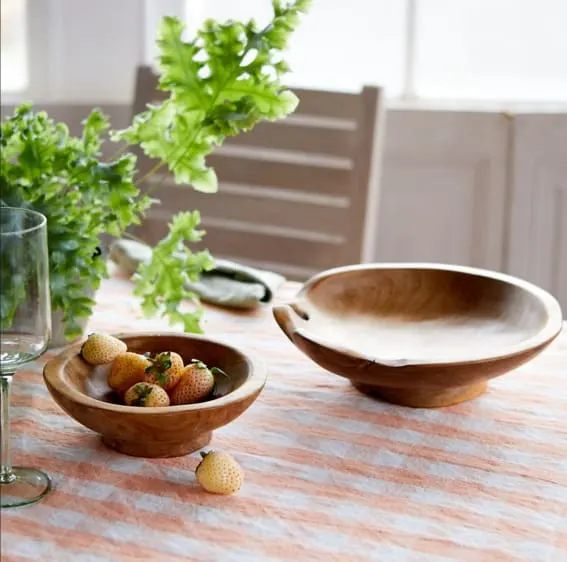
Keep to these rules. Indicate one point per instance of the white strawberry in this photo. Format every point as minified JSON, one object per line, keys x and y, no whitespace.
{"x":219,"y":473}
{"x":196,"y":384}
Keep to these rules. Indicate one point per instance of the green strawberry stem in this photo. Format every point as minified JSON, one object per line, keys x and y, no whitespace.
{"x":143,"y":393}
{"x":161,"y":363}
{"x":217,"y":371}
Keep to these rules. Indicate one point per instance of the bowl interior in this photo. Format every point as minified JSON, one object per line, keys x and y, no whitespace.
{"x":421,"y":313}
{"x":91,"y":380}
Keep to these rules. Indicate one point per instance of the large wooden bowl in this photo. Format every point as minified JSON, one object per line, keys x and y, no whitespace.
{"x":422,"y":335}
{"x":82,"y":391}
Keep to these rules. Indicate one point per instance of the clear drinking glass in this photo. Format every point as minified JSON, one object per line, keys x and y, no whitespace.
{"x":25,"y":329}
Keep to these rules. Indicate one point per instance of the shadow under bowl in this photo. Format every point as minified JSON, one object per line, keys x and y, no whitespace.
{"x":81,"y":390}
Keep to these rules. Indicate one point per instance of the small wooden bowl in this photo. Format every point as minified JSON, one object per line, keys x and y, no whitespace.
{"x":421,"y":335}
{"x":82,"y":391}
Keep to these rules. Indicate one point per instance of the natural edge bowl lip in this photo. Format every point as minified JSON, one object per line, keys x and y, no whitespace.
{"x":552,"y":328}
{"x":254,"y":383}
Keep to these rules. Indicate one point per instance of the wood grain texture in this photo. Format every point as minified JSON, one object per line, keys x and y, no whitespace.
{"x":83,"y":393}
{"x":247,"y":205}
{"x":327,"y":152}
{"x":421,"y":335}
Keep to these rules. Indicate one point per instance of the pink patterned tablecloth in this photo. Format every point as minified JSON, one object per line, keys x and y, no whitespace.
{"x":330,"y":474}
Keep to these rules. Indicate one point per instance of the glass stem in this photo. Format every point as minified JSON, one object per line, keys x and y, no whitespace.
{"x":6,"y":473}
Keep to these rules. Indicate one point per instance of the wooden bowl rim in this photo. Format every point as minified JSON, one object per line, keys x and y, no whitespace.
{"x":551,"y":329}
{"x":257,"y":375}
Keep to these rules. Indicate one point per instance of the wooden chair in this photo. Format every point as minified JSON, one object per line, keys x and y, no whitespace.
{"x":295,"y":196}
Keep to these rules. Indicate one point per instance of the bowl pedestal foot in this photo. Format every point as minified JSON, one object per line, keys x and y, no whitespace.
{"x":158,"y":449}
{"x":424,"y":397}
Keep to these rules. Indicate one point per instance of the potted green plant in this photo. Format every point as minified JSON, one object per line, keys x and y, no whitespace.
{"x":220,"y":84}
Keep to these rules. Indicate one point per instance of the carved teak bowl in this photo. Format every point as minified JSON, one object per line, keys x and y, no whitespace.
{"x":421,"y":335}
{"x":82,"y":391}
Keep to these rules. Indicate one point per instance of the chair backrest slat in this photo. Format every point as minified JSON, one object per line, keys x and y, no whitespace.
{"x":297,"y":195}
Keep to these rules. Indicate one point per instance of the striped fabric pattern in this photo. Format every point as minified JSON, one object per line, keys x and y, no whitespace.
{"x":331,"y":475}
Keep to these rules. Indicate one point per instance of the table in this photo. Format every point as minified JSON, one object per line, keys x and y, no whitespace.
{"x":330,"y":474}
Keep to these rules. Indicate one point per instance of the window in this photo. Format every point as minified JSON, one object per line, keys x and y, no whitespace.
{"x":339,"y":46}
{"x":496,"y":50}
{"x":13,"y":45}
{"x":499,"y":51}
